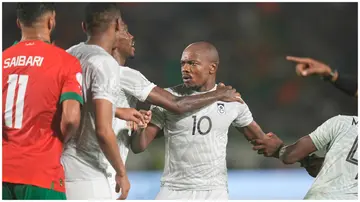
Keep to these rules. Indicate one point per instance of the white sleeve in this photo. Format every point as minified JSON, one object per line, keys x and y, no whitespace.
{"x":158,"y":116}
{"x":244,"y":117}
{"x":326,"y":132}
{"x":105,"y":81}
{"x":135,"y":83}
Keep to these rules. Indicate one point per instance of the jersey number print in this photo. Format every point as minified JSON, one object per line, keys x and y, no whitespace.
{"x":13,"y":81}
{"x":352,"y":158}
{"x":196,"y":127}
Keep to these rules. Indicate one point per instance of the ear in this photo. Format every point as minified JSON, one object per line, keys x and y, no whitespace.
{"x":83,"y":26}
{"x":118,"y":24}
{"x":18,"y":23}
{"x":51,"y":22}
{"x":213,"y":68}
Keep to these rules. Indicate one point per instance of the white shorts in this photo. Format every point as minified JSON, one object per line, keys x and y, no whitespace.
{"x":97,"y":189}
{"x":84,"y":182}
{"x":168,"y":194}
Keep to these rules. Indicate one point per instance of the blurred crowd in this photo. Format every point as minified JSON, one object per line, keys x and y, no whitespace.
{"x":253,"y":40}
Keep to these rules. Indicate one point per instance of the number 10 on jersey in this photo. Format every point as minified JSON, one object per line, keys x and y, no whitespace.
{"x":13,"y":81}
{"x":196,"y":125}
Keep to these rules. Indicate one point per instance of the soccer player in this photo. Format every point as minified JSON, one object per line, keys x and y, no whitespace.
{"x":41,"y":95}
{"x":337,"y":173}
{"x":308,"y":67}
{"x":195,"y":142}
{"x":105,"y":85}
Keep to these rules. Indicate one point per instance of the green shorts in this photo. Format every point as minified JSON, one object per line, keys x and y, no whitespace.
{"x":12,"y":191}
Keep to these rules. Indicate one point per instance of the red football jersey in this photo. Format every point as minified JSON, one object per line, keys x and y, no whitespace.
{"x":37,"y":76}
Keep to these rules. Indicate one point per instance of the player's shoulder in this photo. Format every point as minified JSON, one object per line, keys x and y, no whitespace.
{"x":95,"y":58}
{"x":343,"y":120}
{"x":180,"y":90}
{"x":66,"y":57}
{"x":127,"y":70}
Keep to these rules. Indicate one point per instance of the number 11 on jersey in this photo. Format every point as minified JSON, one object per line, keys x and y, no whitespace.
{"x":13,"y":81}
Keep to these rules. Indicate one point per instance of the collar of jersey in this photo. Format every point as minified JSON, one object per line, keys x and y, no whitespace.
{"x":16,"y":42}
{"x":197,"y":92}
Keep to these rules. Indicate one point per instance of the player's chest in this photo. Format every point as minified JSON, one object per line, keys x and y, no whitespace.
{"x":215,"y":118}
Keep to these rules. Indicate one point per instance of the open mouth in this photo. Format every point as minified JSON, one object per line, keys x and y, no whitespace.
{"x":186,"y":78}
{"x":133,"y":44}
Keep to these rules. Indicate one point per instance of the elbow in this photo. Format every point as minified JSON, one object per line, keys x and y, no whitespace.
{"x":137,"y":150}
{"x":101,"y":133}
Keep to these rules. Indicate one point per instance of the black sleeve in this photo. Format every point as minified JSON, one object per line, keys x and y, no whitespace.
{"x":346,"y":83}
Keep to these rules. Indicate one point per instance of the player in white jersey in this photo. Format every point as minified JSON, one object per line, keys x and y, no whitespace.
{"x":86,"y":170}
{"x":195,"y":142}
{"x":136,"y":87}
{"x":85,"y":154}
{"x":337,"y":173}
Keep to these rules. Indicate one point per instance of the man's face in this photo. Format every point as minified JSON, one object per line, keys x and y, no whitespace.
{"x":195,"y":68}
{"x":125,"y":41}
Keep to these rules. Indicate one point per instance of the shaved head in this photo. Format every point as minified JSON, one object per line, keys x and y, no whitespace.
{"x":199,"y":64}
{"x":206,"y":50}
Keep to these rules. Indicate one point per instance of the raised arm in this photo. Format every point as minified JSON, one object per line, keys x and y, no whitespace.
{"x":308,"y":67}
{"x":179,"y":105}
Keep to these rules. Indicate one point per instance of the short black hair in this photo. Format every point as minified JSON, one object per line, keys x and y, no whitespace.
{"x":28,"y":13}
{"x":98,"y":16}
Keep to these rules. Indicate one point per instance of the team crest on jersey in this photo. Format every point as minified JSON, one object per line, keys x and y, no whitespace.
{"x":221,"y":108}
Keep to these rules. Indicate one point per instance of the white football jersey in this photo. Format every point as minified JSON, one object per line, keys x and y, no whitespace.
{"x":195,"y":142}
{"x":338,"y":177}
{"x":103,"y":79}
{"x":134,"y":87}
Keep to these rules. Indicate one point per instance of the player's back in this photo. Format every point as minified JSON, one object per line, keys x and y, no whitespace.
{"x":338,"y":177}
{"x":33,"y":79}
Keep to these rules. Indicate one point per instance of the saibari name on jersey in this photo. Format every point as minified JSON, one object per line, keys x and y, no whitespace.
{"x":23,"y":61}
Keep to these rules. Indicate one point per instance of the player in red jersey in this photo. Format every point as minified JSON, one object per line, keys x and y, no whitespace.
{"x":41,"y":99}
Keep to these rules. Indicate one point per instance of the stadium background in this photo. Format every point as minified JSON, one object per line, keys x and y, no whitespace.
{"x":253,"y":40}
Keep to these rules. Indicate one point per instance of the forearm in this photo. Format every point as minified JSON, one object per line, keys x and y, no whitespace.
{"x":181,"y":105}
{"x":191,"y":103}
{"x":253,"y":131}
{"x":347,"y":84}
{"x":139,"y":141}
{"x":108,"y":144}
{"x":289,"y":154}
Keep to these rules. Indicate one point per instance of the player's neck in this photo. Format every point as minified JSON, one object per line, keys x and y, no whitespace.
{"x":120,"y":59}
{"x":102,"y":41}
{"x":35,"y":34}
{"x":208,"y":86}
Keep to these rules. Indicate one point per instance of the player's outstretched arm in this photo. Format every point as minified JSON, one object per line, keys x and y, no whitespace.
{"x":70,"y":118}
{"x":142,"y":137}
{"x":288,"y":154}
{"x":108,"y":143}
{"x":179,"y":105}
{"x":308,"y":67}
{"x":254,"y":132}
